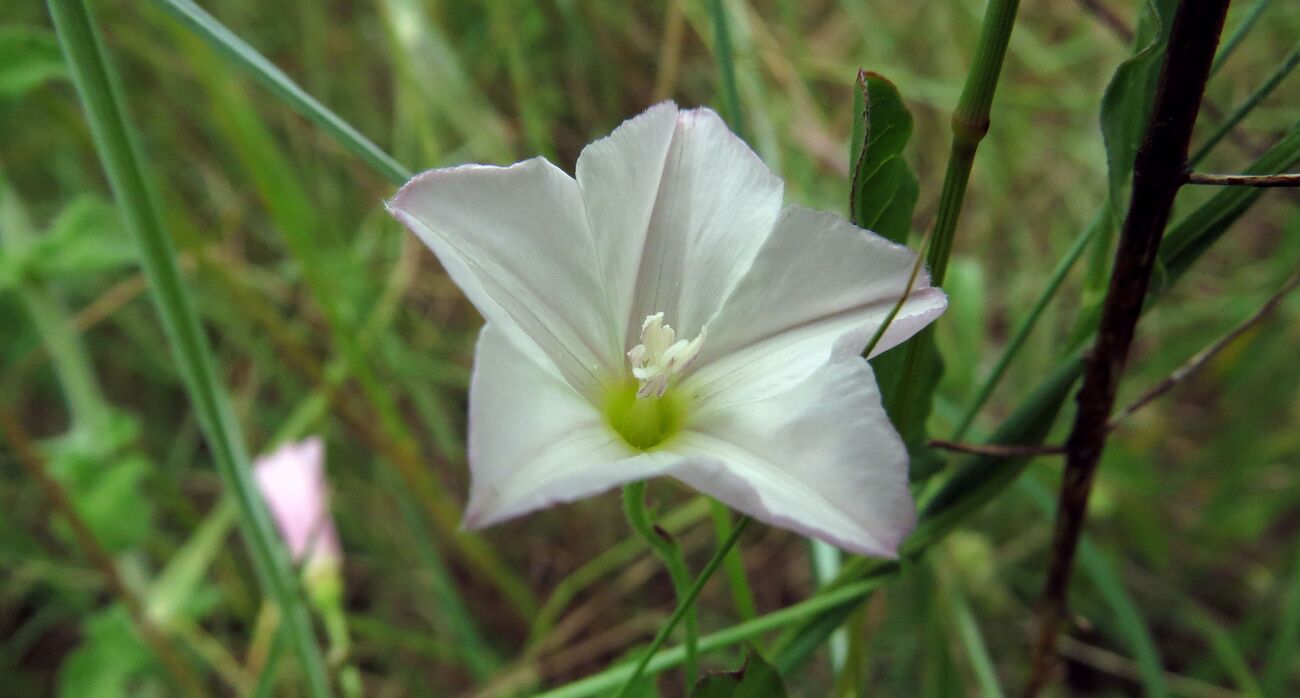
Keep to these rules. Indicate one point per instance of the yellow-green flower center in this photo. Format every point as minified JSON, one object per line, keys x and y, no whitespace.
{"x":645,"y":423}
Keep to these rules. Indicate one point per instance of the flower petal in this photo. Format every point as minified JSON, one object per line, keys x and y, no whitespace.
{"x":619,"y":177}
{"x":516,"y":241}
{"x":821,"y":459}
{"x":678,"y":230}
{"x":819,"y":287}
{"x":292,"y":482}
{"x":534,"y":441}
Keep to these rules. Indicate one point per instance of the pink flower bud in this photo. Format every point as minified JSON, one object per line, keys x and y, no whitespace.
{"x":292,"y":481}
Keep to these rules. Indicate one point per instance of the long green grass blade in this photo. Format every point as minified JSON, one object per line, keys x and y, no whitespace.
{"x":96,"y":84}
{"x":723,"y":53}
{"x":235,"y":49}
{"x":962,"y":620}
{"x":1027,"y":324}
{"x":1247,"y":105}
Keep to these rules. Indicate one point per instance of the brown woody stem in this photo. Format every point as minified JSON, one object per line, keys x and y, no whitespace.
{"x":1158,"y":171}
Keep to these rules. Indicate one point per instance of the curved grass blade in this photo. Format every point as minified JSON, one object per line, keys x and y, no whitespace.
{"x":235,"y":49}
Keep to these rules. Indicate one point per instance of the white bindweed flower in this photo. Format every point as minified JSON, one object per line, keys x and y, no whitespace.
{"x":292,"y":482}
{"x":661,"y":314}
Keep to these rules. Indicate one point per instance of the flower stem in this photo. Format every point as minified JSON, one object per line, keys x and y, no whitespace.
{"x":119,"y":154}
{"x":670,"y":551}
{"x":970,"y":121}
{"x":685,"y":607}
{"x":850,"y":593}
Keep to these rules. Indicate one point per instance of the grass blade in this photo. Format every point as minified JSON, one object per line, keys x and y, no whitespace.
{"x":1282,"y":653}
{"x":237,"y":51}
{"x":96,"y":85}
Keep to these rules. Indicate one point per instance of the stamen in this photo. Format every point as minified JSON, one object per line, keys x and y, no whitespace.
{"x":660,"y":356}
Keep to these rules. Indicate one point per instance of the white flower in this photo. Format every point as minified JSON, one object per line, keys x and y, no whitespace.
{"x":595,"y":367}
{"x":292,"y":482}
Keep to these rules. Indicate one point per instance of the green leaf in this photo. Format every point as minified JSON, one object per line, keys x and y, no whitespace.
{"x":29,"y":56}
{"x":1126,"y":104}
{"x":110,"y":661}
{"x":884,"y":189}
{"x":105,"y":482}
{"x":755,"y":679}
{"x":85,"y":238}
{"x":882,"y":196}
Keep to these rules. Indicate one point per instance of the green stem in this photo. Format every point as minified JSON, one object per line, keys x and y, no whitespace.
{"x":846,"y":594}
{"x":970,"y":121}
{"x":1247,"y":106}
{"x":612,"y":558}
{"x":685,"y":608}
{"x":97,"y":86}
{"x":741,"y":593}
{"x":670,"y":552}
{"x":1027,"y":324}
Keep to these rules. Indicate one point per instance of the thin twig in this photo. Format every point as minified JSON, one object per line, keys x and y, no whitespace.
{"x":1158,"y":171}
{"x":1202,"y":357}
{"x":1276,"y":180}
{"x":997,"y":450}
{"x":21,"y":442}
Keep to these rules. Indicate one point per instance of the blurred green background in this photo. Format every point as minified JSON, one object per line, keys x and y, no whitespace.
{"x":329,"y":319}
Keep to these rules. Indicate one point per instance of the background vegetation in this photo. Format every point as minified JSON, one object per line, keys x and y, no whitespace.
{"x":327,"y":318}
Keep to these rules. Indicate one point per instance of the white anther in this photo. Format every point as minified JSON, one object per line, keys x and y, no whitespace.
{"x":660,"y":355}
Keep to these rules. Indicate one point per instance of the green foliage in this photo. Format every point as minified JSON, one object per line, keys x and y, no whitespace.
{"x":110,"y":661}
{"x":754,"y":679}
{"x":29,"y":57}
{"x":883,"y":190}
{"x":85,"y":239}
{"x":103,"y":479}
{"x":324,"y":318}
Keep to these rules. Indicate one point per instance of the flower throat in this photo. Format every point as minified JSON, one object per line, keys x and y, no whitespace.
{"x":646,"y":413}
